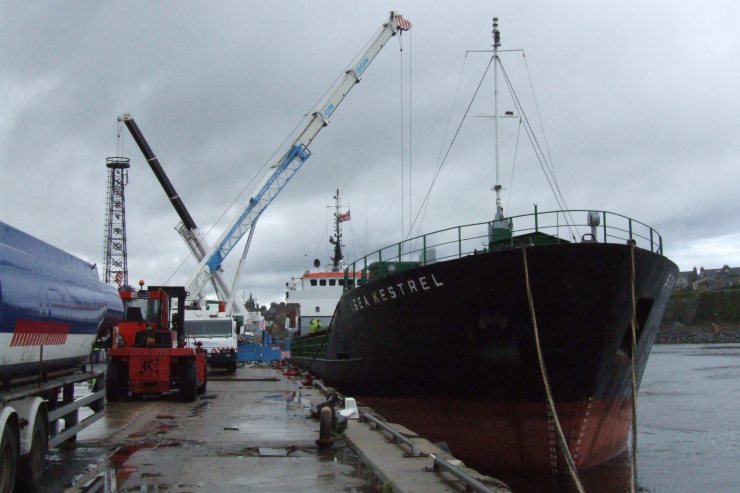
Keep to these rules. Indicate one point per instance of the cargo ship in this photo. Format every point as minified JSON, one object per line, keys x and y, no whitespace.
{"x":458,"y":334}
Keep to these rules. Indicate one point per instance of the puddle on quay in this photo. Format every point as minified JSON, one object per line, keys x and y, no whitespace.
{"x":199,"y":408}
{"x":65,"y":465}
{"x":287,"y":396}
{"x":121,"y":472}
{"x":118,"y":473}
{"x":295,"y":405}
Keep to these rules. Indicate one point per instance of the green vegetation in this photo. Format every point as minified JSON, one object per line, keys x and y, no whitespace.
{"x":703,"y":308}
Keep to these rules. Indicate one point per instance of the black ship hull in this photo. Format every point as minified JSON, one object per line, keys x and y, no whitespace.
{"x":449,"y":350}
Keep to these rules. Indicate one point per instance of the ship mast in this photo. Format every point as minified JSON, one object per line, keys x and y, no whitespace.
{"x":497,"y":185}
{"x":336,"y":240}
{"x":499,"y":230}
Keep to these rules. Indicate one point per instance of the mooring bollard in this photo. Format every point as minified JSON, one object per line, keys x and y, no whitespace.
{"x":325,"y":418}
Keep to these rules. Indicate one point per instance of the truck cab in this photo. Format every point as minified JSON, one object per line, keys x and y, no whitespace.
{"x":216,"y":333}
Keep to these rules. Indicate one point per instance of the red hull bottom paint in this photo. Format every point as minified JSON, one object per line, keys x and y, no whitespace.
{"x":515,"y":436}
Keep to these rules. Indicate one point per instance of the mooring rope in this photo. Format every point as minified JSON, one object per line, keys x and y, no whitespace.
{"x":548,"y":391}
{"x":633,"y":325}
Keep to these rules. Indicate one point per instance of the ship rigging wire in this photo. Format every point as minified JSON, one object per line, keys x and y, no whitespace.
{"x":406,"y":128}
{"x":400,"y":49}
{"x":440,"y":165}
{"x":539,"y":113}
{"x":545,"y":164}
{"x":542,"y":152}
{"x":513,"y":165}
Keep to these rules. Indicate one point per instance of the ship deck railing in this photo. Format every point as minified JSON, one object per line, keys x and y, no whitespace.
{"x":538,"y":228}
{"x":310,"y":345}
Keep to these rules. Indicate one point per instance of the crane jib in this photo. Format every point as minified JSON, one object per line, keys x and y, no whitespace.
{"x":293,"y":159}
{"x":360,"y":68}
{"x":273,"y":186}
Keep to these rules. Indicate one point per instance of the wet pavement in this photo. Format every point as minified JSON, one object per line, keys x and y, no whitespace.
{"x":251,"y":432}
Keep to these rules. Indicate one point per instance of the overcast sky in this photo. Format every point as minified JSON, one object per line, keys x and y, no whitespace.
{"x":638,"y":101}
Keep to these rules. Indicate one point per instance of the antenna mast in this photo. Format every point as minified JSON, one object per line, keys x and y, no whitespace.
{"x":499,"y":230}
{"x":497,"y":185}
{"x":336,"y":240}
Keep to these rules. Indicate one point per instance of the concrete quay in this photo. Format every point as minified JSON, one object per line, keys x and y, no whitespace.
{"x":251,"y":431}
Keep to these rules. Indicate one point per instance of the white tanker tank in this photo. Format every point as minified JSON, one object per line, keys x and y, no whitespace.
{"x":52,"y":306}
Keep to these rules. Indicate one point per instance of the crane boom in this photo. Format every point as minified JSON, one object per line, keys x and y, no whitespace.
{"x":189,"y":231}
{"x":292,"y":160}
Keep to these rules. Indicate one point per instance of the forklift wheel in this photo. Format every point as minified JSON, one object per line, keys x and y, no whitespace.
{"x":202,"y":387}
{"x":190,"y":381}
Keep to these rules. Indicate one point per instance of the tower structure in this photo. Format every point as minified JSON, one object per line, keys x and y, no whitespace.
{"x":116,"y":263}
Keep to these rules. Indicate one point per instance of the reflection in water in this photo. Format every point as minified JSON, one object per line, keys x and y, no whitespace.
{"x":611,"y":477}
{"x":688,"y":428}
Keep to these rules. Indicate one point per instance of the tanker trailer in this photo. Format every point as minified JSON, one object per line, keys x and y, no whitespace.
{"x":52,"y":308}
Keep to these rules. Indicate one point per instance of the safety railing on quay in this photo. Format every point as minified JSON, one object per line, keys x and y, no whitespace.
{"x":397,"y":437}
{"x":437,"y":462}
{"x":537,"y":228}
{"x":471,"y":482}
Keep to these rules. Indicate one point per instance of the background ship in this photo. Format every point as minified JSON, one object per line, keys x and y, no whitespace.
{"x":317,"y":291}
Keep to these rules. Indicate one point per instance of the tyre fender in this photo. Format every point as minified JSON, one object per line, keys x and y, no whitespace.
{"x":8,"y":412}
{"x":8,"y":441}
{"x":28,"y":410}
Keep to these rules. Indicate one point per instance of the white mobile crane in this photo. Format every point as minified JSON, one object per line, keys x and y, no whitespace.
{"x":288,"y":164}
{"x":191,"y":234}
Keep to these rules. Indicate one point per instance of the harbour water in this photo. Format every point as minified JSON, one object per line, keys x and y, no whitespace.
{"x":688,"y":427}
{"x":689,"y":419}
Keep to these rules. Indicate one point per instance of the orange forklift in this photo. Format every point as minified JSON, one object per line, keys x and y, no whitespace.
{"x":148,"y":354}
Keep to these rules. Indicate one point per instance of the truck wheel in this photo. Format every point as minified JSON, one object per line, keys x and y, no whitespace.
{"x":231,"y":367}
{"x":8,"y":459}
{"x":189,"y":382}
{"x":111,"y":380}
{"x":202,"y":387}
{"x":31,"y":465}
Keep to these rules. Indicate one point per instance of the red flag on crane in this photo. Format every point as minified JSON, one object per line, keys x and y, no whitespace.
{"x":403,"y":24}
{"x":343,"y":217}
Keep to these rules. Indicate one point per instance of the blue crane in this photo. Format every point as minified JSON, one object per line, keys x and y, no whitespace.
{"x":290,"y":162}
